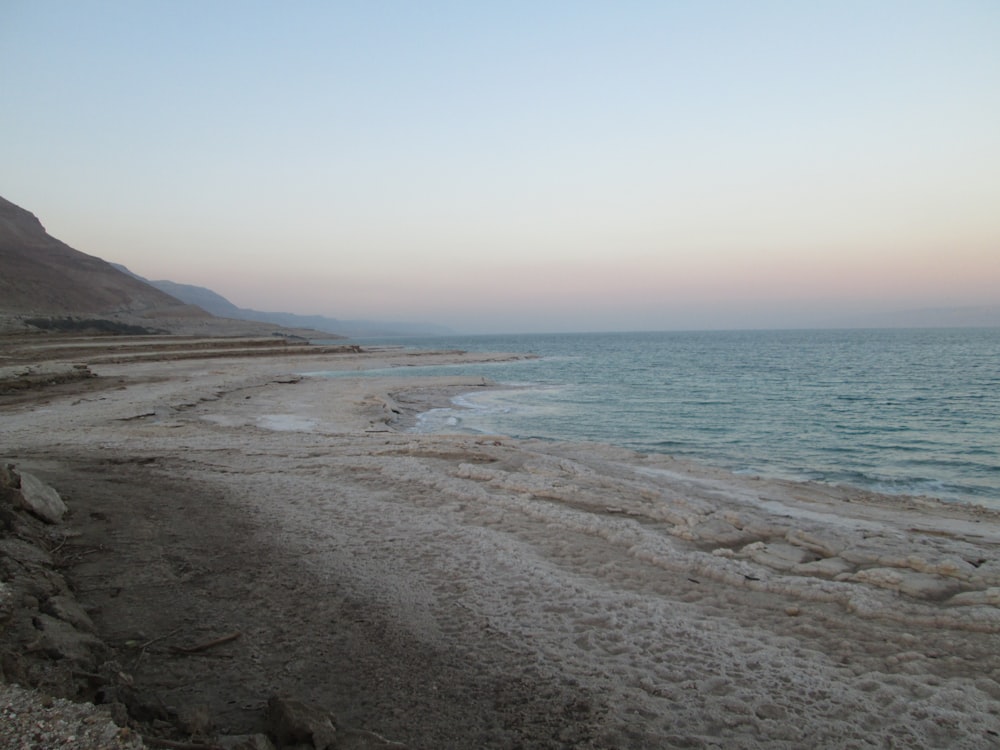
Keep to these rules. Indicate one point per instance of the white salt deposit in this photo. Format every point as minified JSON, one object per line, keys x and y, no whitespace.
{"x":290,"y":422}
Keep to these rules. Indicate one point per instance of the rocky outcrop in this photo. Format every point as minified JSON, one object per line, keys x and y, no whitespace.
{"x":60,"y":684}
{"x":293,"y":723}
{"x":45,"y":635}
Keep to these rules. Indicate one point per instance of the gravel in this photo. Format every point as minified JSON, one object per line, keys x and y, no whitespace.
{"x":30,"y":720}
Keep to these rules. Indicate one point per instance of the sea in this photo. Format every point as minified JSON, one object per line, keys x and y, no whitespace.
{"x":901,"y":411}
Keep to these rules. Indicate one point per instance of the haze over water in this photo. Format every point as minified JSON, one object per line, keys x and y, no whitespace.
{"x":899,"y":411}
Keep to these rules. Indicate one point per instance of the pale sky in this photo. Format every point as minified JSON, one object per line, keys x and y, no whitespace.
{"x":519,"y":166}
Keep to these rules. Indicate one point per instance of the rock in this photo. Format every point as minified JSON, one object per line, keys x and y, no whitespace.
{"x":292,"y":722}
{"x":24,"y":552}
{"x":60,"y":640}
{"x":41,"y":500}
{"x":141,"y":706}
{"x":7,"y":604}
{"x":9,"y":480}
{"x":8,"y":517}
{"x":68,"y":609}
{"x":41,"y":584}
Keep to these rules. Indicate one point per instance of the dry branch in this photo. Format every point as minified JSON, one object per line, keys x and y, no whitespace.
{"x":208,"y":644}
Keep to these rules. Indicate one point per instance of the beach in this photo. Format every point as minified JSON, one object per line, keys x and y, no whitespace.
{"x":461,"y":591}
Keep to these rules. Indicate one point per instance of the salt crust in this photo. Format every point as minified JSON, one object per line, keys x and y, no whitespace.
{"x":705,"y":607}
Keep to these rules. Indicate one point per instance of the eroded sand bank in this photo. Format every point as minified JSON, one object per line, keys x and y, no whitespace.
{"x":476,"y":591}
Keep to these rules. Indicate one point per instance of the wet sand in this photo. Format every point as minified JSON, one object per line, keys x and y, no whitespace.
{"x":457,"y":591}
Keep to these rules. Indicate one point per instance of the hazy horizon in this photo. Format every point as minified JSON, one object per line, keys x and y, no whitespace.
{"x":526,"y":167}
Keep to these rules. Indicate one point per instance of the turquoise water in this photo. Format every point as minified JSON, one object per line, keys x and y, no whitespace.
{"x":901,"y":411}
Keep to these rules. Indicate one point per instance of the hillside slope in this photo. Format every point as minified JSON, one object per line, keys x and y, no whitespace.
{"x":44,"y":276}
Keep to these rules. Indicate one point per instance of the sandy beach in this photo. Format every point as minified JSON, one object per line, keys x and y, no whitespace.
{"x":471,"y":591}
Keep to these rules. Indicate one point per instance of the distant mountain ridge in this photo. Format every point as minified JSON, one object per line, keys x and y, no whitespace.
{"x":216,"y":304}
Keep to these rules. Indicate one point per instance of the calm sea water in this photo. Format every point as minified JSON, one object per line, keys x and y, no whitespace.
{"x":900,"y":411}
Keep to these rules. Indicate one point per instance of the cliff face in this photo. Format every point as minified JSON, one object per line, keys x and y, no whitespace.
{"x":39,"y":275}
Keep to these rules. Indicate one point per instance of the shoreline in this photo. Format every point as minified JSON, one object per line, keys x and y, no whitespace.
{"x":879,"y":429}
{"x":463,"y":590}
{"x":695,"y":462}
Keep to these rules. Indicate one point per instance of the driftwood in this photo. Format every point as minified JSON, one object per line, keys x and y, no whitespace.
{"x":207,"y":645}
{"x":147,"y":644}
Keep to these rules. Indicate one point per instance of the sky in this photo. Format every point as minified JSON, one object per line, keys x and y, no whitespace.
{"x":519,"y":166}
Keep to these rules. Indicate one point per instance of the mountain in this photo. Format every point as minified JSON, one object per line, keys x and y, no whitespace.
{"x":205,"y":298}
{"x":218,"y":305}
{"x":44,"y":279}
{"x":46,"y":284}
{"x":44,"y":276}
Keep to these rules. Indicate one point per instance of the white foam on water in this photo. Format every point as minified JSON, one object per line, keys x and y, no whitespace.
{"x":518,"y":410}
{"x":444,"y":419}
